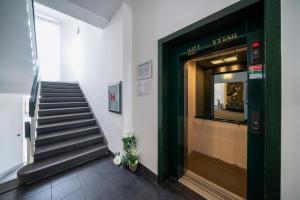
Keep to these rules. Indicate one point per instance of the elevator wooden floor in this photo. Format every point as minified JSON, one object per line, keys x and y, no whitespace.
{"x":228,"y":176}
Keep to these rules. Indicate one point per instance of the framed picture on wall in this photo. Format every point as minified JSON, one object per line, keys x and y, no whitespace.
{"x":115,"y":97}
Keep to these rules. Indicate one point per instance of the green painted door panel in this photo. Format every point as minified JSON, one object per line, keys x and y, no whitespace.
{"x":246,"y":19}
{"x":256,"y":99}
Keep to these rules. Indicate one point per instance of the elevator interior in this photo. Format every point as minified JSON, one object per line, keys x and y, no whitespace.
{"x":216,"y":118}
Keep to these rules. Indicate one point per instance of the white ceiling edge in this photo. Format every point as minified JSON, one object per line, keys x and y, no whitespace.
{"x":54,"y":15}
{"x":75,"y":11}
{"x":130,"y":3}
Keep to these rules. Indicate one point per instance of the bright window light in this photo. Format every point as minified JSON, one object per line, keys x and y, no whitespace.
{"x":215,"y":62}
{"x":48,"y":46}
{"x":230,"y":59}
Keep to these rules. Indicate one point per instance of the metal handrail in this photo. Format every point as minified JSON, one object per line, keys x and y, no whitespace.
{"x":33,"y":101}
{"x":33,"y":95}
{"x":34,"y":89}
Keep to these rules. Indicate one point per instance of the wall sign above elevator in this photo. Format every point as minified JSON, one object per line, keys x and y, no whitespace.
{"x":225,"y":38}
{"x":192,"y":50}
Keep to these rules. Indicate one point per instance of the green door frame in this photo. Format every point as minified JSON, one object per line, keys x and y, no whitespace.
{"x":272,"y":58}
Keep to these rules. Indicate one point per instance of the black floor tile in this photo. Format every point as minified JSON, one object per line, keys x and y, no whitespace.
{"x":43,"y":195}
{"x":99,"y":191}
{"x":89,"y":178}
{"x":78,"y":195}
{"x":100,"y":179}
{"x":65,"y":188}
{"x":62,"y":177}
{"x":26,"y":191}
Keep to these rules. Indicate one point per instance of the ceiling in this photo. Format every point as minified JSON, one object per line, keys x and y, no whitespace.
{"x":104,"y":8}
{"x":95,"y":12}
{"x":205,"y":60}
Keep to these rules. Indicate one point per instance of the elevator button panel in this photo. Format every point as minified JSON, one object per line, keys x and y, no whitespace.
{"x":255,"y":122}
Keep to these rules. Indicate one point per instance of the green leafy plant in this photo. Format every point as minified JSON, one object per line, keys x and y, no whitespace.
{"x":130,"y":157}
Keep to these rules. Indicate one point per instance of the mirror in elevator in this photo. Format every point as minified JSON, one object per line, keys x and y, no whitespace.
{"x":230,"y":101}
{"x":221,"y":85}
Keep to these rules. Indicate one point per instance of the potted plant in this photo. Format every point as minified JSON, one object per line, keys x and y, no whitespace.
{"x":132,"y":162}
{"x":130,"y":157}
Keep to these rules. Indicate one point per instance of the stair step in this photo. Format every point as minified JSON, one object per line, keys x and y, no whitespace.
{"x":47,"y":151}
{"x":62,"y":105}
{"x":60,"y":86}
{"x":59,"y":83}
{"x":67,"y":132}
{"x":62,"y":118}
{"x":59,"y":90}
{"x":61,"y":99}
{"x":61,"y":95}
{"x":48,"y":138}
{"x":57,"y":111}
{"x":38,"y":170}
{"x":64,"y":125}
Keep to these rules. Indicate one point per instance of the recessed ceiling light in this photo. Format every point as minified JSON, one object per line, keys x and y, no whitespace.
{"x":231,"y":59}
{"x":215,"y":62}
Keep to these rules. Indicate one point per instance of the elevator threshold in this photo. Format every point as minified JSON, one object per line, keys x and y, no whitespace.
{"x":206,"y":188}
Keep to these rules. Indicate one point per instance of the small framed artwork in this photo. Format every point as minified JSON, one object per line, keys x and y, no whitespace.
{"x":144,"y":70}
{"x":115,"y":97}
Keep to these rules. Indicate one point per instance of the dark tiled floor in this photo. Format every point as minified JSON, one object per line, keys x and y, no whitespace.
{"x":98,"y":180}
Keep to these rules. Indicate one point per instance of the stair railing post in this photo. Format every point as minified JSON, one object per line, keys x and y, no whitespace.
{"x":34,"y":124}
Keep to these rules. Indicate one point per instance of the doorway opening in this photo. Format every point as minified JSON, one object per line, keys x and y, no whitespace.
{"x":48,"y":45}
{"x":215,"y":130}
{"x":249,"y":23}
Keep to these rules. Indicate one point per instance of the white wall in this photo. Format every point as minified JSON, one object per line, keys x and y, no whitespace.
{"x":16,"y":59}
{"x":97,"y":58}
{"x":17,"y":63}
{"x":71,"y":50}
{"x":11,"y":123}
{"x":290,"y":134}
{"x":48,"y":43}
{"x":153,"y":20}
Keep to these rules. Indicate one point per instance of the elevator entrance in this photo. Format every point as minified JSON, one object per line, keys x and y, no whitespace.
{"x":240,"y":28}
{"x":216,"y":115}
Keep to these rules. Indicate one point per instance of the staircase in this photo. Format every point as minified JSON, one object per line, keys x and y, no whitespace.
{"x":67,"y":132}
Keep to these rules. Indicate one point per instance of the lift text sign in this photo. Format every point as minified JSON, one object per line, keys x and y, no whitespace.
{"x":225,"y":38}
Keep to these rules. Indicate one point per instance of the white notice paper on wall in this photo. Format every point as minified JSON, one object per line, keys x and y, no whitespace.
{"x":144,"y":70}
{"x":144,"y":87}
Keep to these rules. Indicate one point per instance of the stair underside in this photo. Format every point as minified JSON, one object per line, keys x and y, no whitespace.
{"x":67,"y":132}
